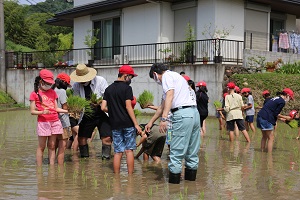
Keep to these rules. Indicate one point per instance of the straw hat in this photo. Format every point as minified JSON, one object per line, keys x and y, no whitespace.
{"x":83,"y":73}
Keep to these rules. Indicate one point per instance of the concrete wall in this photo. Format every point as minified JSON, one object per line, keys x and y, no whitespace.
{"x":290,"y":23}
{"x":270,"y":56}
{"x":212,"y":74}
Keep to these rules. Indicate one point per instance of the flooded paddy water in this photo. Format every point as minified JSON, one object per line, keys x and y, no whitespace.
{"x":227,"y":170}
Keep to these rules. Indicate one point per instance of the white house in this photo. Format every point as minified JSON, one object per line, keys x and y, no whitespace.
{"x":131,"y":22}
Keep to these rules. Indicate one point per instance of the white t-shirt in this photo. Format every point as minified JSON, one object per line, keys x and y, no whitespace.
{"x":183,"y":94}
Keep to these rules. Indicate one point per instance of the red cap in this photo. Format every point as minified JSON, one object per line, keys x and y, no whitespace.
{"x":231,"y":85}
{"x":127,"y":69}
{"x":289,"y":92}
{"x":265,"y":92}
{"x":201,"y":83}
{"x":225,"y":94}
{"x":64,"y":77}
{"x":187,"y":78}
{"x":47,"y":76}
{"x":237,"y":89}
{"x":293,"y":113}
{"x":245,"y":90}
{"x":133,"y":102}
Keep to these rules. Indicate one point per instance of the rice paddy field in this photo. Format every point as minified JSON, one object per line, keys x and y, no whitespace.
{"x":227,"y":170}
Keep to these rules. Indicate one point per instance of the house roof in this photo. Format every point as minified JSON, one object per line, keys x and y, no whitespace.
{"x":66,"y":17}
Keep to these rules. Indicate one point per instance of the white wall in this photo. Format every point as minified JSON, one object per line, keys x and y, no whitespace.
{"x":82,"y":2}
{"x":290,"y":23}
{"x":221,"y":14}
{"x":182,"y":18}
{"x":141,"y":24}
{"x":81,"y":26}
{"x":167,"y":23}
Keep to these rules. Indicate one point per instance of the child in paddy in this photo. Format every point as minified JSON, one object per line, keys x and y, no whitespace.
{"x":152,"y":143}
{"x":43,"y":103}
{"x":249,"y":109}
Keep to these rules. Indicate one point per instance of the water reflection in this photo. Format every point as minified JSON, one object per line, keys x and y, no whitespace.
{"x":236,"y":170}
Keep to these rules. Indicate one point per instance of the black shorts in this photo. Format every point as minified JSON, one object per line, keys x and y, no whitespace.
{"x":202,"y":118}
{"x":73,"y":122}
{"x":156,"y":149}
{"x":239,"y":122}
{"x":88,"y":124}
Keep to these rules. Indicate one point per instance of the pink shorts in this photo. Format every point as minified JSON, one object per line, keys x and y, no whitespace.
{"x":49,"y":128}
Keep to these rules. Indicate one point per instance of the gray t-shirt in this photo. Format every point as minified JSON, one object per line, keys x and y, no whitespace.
{"x":250,"y":111}
{"x":62,"y":99}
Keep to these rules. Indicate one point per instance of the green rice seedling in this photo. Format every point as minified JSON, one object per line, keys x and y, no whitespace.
{"x":166,"y":188}
{"x":4,"y":163}
{"x":95,"y":182}
{"x":201,"y":195}
{"x":150,"y":191}
{"x":69,"y":92}
{"x":78,"y":105}
{"x":293,"y":123}
{"x":206,"y":156}
{"x":75,"y":174}
{"x":145,"y":99}
{"x":105,"y":176}
{"x":15,"y":163}
{"x":107,"y":185}
{"x":83,"y":174}
{"x":270,"y":185}
{"x":95,"y":100}
{"x":235,"y":197}
{"x":181,"y":195}
{"x":137,"y":112}
{"x":186,"y":190}
{"x":217,"y":104}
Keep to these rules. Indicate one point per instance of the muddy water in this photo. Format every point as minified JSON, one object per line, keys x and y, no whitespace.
{"x":226,"y":171}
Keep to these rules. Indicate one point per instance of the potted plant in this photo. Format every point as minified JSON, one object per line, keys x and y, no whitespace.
{"x":90,"y":40}
{"x":165,"y":51}
{"x":205,"y":57}
{"x":189,"y":45}
{"x":270,"y":66}
{"x":217,"y":36}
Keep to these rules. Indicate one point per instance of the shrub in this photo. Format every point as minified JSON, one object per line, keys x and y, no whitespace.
{"x":289,"y":68}
{"x":273,"y":82}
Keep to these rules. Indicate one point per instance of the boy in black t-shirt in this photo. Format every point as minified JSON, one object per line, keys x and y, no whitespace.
{"x":117,"y":102}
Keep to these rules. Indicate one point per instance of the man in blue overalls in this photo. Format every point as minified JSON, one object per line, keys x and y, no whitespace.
{"x":185,"y":143}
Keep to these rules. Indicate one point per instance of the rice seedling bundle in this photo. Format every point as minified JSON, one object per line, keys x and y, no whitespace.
{"x":69,"y":92}
{"x":217,"y":104}
{"x":78,"y":105}
{"x":95,"y":100}
{"x":293,"y":123}
{"x":137,"y":112}
{"x":145,"y":99}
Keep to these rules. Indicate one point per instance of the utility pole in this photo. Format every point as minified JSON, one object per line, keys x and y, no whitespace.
{"x":2,"y":49}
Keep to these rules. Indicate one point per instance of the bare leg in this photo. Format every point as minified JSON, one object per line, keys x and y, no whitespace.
{"x":75,"y":137}
{"x":130,"y":161}
{"x":51,"y":148}
{"x":62,"y":144}
{"x":40,"y":150}
{"x":263,"y":140}
{"x":203,"y":128}
{"x":220,"y":123}
{"x":145,"y":157}
{"x":252,"y":127}
{"x":140,"y":152}
{"x":246,"y":135}
{"x":231,"y":136}
{"x":247,"y":126}
{"x":270,"y":136}
{"x":236,"y":130}
{"x":117,"y":162}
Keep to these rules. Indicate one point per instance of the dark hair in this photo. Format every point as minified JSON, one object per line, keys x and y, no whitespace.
{"x":182,"y":73}
{"x":36,"y":86}
{"x":192,"y":84}
{"x":120,"y":75}
{"x":60,"y":84}
{"x":158,"y":68}
{"x":281,"y":93}
{"x":266,"y":95}
{"x":203,"y":89}
{"x":225,"y":90}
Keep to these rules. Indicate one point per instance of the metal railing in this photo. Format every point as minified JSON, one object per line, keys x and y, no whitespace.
{"x":212,"y":50}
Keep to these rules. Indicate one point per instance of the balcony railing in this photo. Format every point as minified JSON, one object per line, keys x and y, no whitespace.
{"x":230,"y":51}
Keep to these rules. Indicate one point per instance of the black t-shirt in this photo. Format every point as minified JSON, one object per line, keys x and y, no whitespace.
{"x":116,"y":95}
{"x":267,"y":99}
{"x":202,"y":102}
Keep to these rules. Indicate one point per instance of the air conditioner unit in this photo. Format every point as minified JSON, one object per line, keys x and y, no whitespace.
{"x":119,"y":59}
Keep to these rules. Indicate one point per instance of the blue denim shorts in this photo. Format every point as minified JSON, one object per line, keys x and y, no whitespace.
{"x":263,"y":124}
{"x":124,"y":139}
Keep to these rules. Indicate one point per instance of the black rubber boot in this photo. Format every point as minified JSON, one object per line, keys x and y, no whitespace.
{"x":106,"y":149}
{"x":84,"y":151}
{"x":190,"y":174}
{"x":174,"y":178}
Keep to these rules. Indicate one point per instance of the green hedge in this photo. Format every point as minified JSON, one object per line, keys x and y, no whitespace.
{"x":273,"y":82}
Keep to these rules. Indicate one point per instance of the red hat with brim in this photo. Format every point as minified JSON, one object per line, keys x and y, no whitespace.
{"x":289,"y":92}
{"x":47,"y":76}
{"x":64,"y":77}
{"x":230,"y":85}
{"x":237,"y":89}
{"x":127,"y":69}
{"x":245,"y":90}
{"x":265,"y":92}
{"x":201,"y":83}
{"x":293,"y":113}
{"x":187,"y":78}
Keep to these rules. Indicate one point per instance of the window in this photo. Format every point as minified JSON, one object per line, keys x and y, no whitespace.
{"x":109,"y":38}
